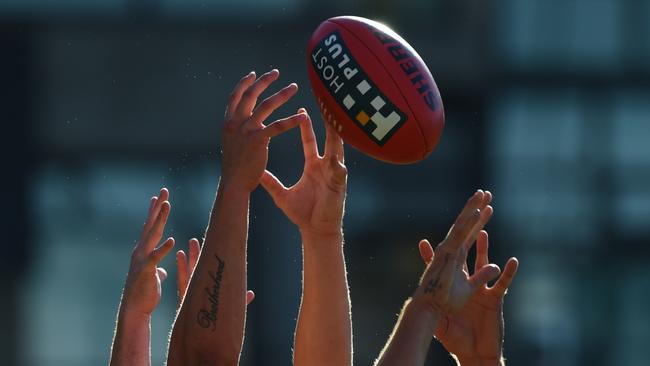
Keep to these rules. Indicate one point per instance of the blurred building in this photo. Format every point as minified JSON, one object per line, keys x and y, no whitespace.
{"x":547,"y":105}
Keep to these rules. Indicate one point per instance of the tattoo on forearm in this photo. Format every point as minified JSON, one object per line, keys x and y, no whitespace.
{"x":434,"y":283}
{"x":208,"y":318}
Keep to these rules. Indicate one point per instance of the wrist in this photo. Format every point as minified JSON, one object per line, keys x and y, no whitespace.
{"x":130,"y":315}
{"x":321,"y":239}
{"x":422,"y":311}
{"x":232,"y":188}
{"x":334,"y":233}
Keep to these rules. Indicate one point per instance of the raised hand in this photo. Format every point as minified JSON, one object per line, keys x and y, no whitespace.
{"x":474,"y":333}
{"x":142,"y":291}
{"x":186,"y":264}
{"x":245,"y":137}
{"x":315,"y":203}
{"x":143,"y":283}
{"x":446,"y":284}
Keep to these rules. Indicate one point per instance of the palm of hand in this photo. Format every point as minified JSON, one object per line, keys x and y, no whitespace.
{"x":316,"y":200}
{"x":475,"y":329}
{"x":143,"y":283}
{"x":144,"y":289}
{"x":245,"y":154}
{"x":245,"y":137}
{"x":315,"y":203}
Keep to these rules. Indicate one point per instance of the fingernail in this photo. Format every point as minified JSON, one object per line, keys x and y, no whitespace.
{"x":293,"y":86}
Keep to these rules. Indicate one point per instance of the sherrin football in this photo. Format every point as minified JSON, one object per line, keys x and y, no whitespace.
{"x":374,"y":89}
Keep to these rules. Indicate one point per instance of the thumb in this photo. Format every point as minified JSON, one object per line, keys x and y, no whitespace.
{"x":162,"y":273}
{"x":426,"y":251}
{"x":250,"y":295}
{"x":272,"y":185}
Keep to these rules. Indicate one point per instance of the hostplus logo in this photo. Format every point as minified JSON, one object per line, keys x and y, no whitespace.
{"x":364,"y":103}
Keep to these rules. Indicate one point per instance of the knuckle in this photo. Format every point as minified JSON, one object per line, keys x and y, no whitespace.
{"x":229,"y":126}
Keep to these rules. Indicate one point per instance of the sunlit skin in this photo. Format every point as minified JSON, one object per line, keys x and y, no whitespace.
{"x":209,"y":328}
{"x":315,"y":205}
{"x":185,"y":263}
{"x":142,"y":291}
{"x":450,"y":302}
{"x":474,"y":333}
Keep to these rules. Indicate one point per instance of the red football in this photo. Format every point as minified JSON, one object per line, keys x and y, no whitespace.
{"x":375,"y":89}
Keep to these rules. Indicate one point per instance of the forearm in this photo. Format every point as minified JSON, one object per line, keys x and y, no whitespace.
{"x":324,"y":330}
{"x":210,"y":325}
{"x":132,"y":340}
{"x":411,"y":337}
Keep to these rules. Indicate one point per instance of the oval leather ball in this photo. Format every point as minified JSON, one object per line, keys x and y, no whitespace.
{"x":374,"y":88}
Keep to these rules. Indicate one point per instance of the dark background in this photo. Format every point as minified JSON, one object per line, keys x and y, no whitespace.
{"x":547,"y":105}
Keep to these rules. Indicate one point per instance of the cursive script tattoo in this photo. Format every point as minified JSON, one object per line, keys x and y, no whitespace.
{"x":208,"y":318}
{"x":434,"y":283}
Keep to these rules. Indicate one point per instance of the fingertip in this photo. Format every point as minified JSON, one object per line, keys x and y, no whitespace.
{"x":166,"y":206}
{"x":512,"y":265}
{"x":488,"y":196}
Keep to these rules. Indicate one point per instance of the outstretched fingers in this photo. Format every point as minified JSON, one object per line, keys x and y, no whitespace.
{"x":237,"y":92}
{"x":486,"y":215}
{"x":504,"y":282}
{"x":459,"y":229}
{"x":283,"y":125}
{"x":154,"y":210}
{"x":155,"y":233}
{"x":482,"y":245}
{"x":182,"y":279}
{"x":333,"y":143}
{"x":194,"y":251}
{"x":309,"y":144}
{"x":159,"y":253}
{"x":249,"y":97}
{"x":484,"y":275}
{"x":270,"y":104}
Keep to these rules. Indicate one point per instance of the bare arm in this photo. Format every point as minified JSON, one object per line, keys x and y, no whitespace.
{"x":444,"y":288}
{"x":411,"y":337}
{"x":209,"y":328}
{"x":315,"y":204}
{"x":132,"y":340}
